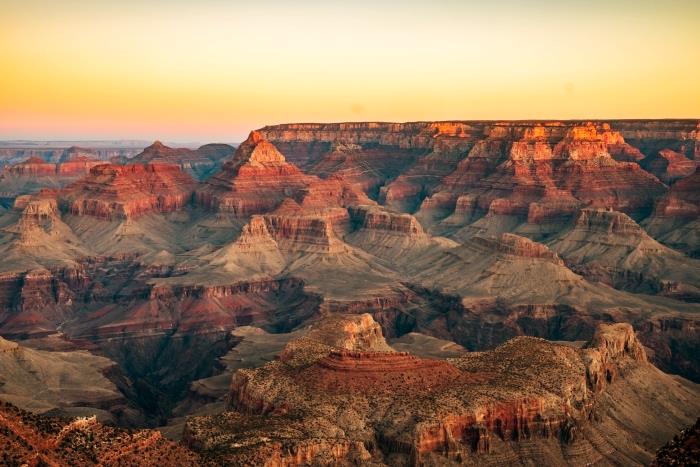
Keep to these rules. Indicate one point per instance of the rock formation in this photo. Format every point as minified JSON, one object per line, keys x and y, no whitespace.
{"x":453,"y":236}
{"x":610,"y":247}
{"x":123,"y":192}
{"x":255,"y":181}
{"x":675,"y":217}
{"x":27,"y":439}
{"x":200,"y":163}
{"x":527,"y":401}
{"x":35,"y":173}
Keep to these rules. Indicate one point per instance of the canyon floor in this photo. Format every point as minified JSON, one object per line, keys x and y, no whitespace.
{"x":429,"y":293}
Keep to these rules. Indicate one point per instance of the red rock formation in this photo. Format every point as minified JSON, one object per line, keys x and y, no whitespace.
{"x":367,"y":217}
{"x":432,"y":411}
{"x":255,"y":181}
{"x":555,"y":172}
{"x":32,"y":167}
{"x":610,"y":344}
{"x":488,"y":144}
{"x":296,"y":229}
{"x":675,"y":220}
{"x":123,"y":192}
{"x":37,"y":167}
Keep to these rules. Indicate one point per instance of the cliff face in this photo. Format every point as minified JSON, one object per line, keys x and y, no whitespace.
{"x":461,"y":153}
{"x":527,"y":391}
{"x":123,"y":192}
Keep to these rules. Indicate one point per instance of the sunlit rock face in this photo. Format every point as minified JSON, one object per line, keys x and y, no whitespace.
{"x":128,"y":191}
{"x":334,"y":396}
{"x":476,"y":246}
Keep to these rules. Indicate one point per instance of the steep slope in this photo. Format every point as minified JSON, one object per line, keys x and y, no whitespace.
{"x":66,"y":383}
{"x":610,"y":247}
{"x":329,"y":401}
{"x":669,"y":166}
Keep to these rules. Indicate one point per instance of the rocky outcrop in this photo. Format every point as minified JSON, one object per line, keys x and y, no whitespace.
{"x":545,"y":174}
{"x":255,"y":181}
{"x":611,"y":344}
{"x":71,"y":164}
{"x":514,"y":245}
{"x":113,"y":192}
{"x":609,"y":247}
{"x":526,"y":391}
{"x":27,"y":439}
{"x":377,"y":219}
{"x":457,"y":155}
{"x":32,"y":167}
{"x":684,"y":449}
{"x":682,"y":202}
{"x":296,"y":230}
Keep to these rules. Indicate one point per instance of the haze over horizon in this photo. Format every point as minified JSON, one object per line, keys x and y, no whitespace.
{"x":212,"y":71}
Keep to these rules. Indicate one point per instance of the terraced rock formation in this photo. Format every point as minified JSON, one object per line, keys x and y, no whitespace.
{"x":527,"y":401}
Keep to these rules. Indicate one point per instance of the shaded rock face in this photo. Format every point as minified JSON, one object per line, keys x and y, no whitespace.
{"x":669,"y":166}
{"x":394,"y":408}
{"x":682,"y":201}
{"x":674,"y":220}
{"x":124,"y":192}
{"x":515,"y":245}
{"x":162,"y":337}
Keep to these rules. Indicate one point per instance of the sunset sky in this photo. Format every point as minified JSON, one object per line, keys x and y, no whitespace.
{"x":212,"y":70}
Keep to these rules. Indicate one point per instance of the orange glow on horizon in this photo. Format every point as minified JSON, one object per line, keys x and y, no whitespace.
{"x":214,"y":70}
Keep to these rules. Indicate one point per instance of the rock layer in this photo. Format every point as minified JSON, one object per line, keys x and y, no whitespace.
{"x":527,"y":401}
{"x":124,"y":192}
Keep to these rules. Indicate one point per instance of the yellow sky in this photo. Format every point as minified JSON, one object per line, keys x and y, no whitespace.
{"x":214,"y":69}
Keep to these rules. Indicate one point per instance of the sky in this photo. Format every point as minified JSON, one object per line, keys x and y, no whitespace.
{"x":212,"y":70}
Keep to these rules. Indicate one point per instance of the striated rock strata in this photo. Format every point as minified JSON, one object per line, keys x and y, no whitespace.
{"x":527,"y":401}
{"x":123,"y":192}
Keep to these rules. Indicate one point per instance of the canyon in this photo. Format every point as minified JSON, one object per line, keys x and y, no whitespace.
{"x":427,"y":293}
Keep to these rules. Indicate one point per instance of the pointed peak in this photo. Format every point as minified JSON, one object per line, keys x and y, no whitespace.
{"x":288,"y":206}
{"x":157,"y":144}
{"x":256,"y":137}
{"x":257,"y":150}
